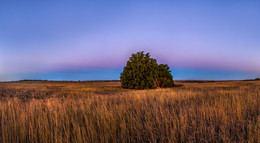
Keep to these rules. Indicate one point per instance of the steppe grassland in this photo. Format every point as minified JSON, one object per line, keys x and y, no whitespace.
{"x":41,"y":111}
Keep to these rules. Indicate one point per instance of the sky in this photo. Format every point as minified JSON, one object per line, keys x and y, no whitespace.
{"x":92,"y":40}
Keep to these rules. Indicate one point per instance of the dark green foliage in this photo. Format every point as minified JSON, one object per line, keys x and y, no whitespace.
{"x":257,"y":79}
{"x":143,"y":72}
{"x":140,"y":72}
{"x":164,"y":76}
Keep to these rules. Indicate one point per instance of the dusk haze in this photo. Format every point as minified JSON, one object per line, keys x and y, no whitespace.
{"x":92,"y":40}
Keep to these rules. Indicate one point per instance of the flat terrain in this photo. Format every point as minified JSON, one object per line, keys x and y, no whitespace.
{"x":42,"y":111}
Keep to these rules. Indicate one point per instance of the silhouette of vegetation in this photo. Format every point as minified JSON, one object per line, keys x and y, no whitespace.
{"x":143,"y":72}
{"x":257,"y":79}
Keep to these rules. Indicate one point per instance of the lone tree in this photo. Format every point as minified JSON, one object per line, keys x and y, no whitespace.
{"x":143,"y":72}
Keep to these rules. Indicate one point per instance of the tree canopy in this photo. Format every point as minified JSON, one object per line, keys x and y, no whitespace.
{"x":143,"y":72}
{"x":165,"y":78}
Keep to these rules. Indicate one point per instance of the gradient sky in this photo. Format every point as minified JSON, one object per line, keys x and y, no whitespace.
{"x":92,"y":40}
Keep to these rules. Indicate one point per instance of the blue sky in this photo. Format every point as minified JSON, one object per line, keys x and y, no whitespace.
{"x":88,"y":40}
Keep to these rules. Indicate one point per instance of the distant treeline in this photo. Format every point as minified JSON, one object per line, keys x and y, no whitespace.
{"x":36,"y":80}
{"x":185,"y":81}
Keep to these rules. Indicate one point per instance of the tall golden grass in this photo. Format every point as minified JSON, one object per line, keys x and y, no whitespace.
{"x":103,"y":112}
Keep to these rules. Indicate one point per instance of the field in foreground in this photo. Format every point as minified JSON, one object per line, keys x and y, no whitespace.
{"x":103,"y":112}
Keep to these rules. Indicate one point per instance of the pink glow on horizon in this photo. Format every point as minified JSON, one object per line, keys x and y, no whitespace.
{"x":217,"y":35}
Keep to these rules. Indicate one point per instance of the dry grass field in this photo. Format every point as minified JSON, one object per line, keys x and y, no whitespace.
{"x":41,"y":111}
